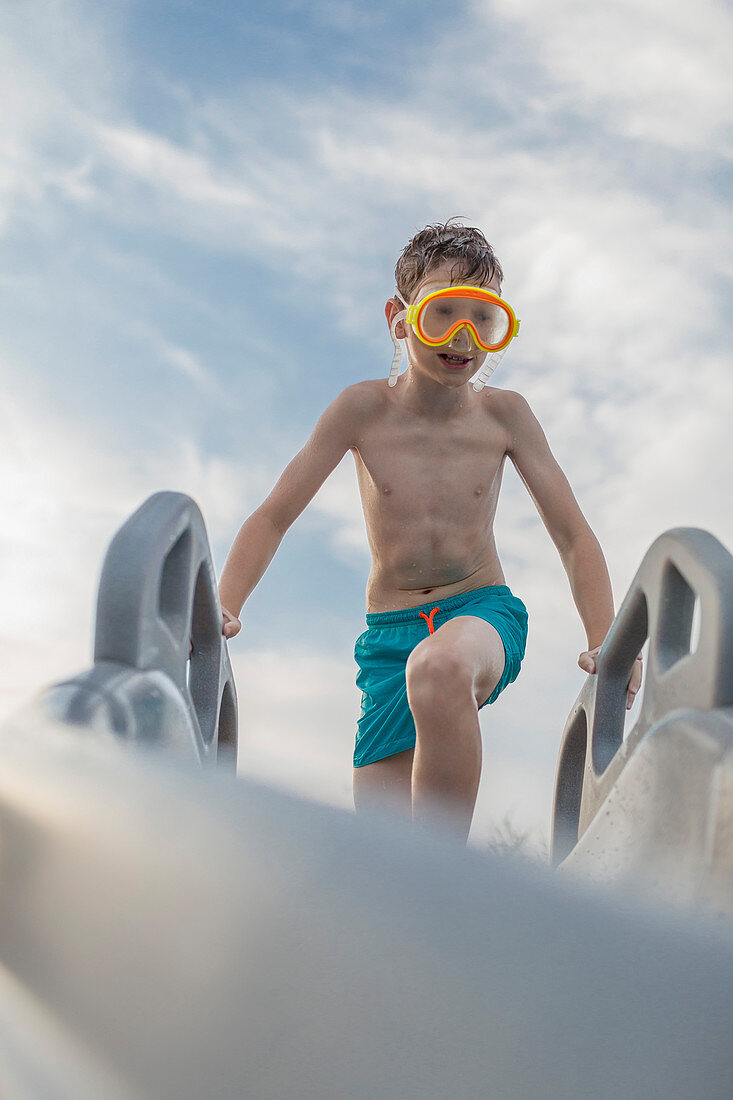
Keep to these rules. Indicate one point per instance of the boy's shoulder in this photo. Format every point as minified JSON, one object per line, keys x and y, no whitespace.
{"x":372,"y":389}
{"x":508,"y":405}
{"x":352,"y":410}
{"x":512,"y":413}
{"x":364,"y":398}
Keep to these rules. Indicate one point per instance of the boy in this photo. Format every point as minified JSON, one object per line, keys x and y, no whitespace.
{"x":445,"y":635}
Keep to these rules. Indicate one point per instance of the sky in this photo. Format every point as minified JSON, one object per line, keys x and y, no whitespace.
{"x":201,"y":206}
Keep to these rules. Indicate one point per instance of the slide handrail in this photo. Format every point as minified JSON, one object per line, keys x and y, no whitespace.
{"x":685,"y":581}
{"x":161,"y":670}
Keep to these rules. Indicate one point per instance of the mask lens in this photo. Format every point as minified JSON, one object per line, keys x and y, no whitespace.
{"x":490,"y":320}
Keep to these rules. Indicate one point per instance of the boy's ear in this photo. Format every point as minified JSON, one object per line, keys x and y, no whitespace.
{"x":393,"y":307}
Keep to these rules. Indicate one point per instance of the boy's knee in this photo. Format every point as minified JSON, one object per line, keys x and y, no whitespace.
{"x":436,"y":674}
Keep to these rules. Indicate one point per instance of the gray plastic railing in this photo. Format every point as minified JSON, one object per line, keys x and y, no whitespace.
{"x":157,"y":599}
{"x":685,"y":579}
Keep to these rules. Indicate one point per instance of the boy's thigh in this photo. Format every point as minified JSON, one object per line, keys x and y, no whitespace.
{"x":386,"y":782}
{"x":476,"y":644}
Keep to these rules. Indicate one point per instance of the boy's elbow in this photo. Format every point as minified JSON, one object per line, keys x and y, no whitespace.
{"x":574,"y":535}
{"x":583,"y":546}
{"x":581,"y":531}
{"x":277,"y":519}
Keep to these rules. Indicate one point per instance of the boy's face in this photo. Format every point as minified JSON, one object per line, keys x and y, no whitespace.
{"x":452,"y":364}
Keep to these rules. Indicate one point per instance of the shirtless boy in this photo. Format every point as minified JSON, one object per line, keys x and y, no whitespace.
{"x":445,"y":635}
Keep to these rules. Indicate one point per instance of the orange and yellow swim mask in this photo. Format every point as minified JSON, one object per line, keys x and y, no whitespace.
{"x":438,"y":316}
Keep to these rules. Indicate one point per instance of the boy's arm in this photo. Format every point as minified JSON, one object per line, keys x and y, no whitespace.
{"x":560,"y":512}
{"x":260,"y":535}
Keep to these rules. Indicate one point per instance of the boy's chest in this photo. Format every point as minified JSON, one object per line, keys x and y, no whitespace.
{"x":423,"y":466}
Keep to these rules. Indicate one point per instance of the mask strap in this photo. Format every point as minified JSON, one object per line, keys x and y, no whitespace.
{"x":488,"y":369}
{"x":397,"y":359}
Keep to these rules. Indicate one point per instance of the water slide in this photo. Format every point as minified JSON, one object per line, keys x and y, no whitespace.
{"x":168,"y":930}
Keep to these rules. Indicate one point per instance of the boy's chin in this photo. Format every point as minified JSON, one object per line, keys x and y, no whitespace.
{"x":457,"y":381}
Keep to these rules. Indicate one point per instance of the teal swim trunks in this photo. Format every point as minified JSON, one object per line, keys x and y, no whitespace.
{"x":386,"y":725}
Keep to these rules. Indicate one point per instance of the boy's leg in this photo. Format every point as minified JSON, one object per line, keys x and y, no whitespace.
{"x":385,"y":784}
{"x":449,"y":675}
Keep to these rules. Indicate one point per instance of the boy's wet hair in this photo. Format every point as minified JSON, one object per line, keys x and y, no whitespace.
{"x":428,"y":249}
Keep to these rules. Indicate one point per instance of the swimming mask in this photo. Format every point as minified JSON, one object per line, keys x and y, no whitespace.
{"x":436,"y":318}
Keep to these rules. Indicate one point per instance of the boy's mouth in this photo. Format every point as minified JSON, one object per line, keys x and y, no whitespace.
{"x":456,"y":361}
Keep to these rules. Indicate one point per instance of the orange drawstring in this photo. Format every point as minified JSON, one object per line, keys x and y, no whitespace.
{"x":429,"y":619}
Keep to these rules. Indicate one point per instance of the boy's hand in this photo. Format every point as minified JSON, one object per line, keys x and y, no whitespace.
{"x":230,"y":624}
{"x":586,"y":660}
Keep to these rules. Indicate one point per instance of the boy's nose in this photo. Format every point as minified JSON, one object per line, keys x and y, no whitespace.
{"x":461,"y":340}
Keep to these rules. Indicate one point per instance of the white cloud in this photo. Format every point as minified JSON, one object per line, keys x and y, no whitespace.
{"x":179,"y":173}
{"x":181,"y":359}
{"x":184,"y":361}
{"x":652,"y":70}
{"x":56,"y":66}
